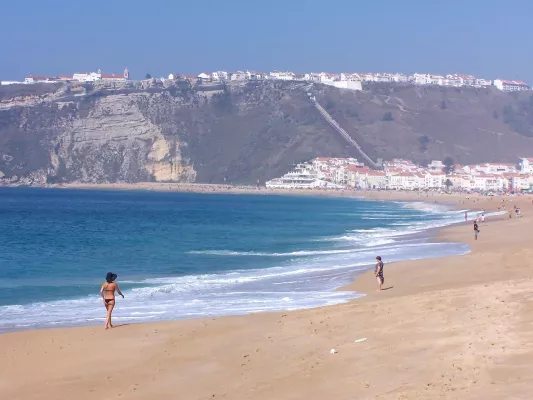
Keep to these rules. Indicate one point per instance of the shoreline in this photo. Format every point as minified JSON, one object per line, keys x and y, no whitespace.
{"x":428,"y":235}
{"x":438,"y":308}
{"x":212,"y":188}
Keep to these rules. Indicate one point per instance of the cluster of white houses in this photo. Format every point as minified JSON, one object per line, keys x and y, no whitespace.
{"x":401,"y":174}
{"x":76,"y":77}
{"x":343,"y":80}
{"x":353,"y":80}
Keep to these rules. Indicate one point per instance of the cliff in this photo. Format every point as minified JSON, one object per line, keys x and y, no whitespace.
{"x":244,"y":132}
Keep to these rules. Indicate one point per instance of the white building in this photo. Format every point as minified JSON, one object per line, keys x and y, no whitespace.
{"x":238,"y":76}
{"x":87,"y":76}
{"x":375,"y":180}
{"x":301,"y":178}
{"x":510,"y":86}
{"x":495,"y":168}
{"x":421,"y":79}
{"x":434,"y":180}
{"x":10,"y":83}
{"x":116,"y":77}
{"x":313,"y":77}
{"x":220,"y":76}
{"x":282,"y":75}
{"x":489,"y":182}
{"x":525,"y":165}
{"x":468,"y":80}
{"x":406,"y":181}
{"x":460,"y":182}
{"x":435,"y":165}
{"x":480,"y":82}
{"x":453,"y":80}
{"x":255,"y":76}
{"x":204,"y":77}
{"x":39,"y":79}
{"x":401,"y":78}
{"x":522,"y":182}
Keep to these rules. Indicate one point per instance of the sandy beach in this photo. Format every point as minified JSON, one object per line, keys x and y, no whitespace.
{"x":455,"y":328}
{"x":201,"y":188}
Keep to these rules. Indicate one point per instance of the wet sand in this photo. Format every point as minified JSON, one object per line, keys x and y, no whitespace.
{"x":454,"y":328}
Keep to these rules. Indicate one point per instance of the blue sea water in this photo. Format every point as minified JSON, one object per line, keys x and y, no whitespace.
{"x":181,"y":255}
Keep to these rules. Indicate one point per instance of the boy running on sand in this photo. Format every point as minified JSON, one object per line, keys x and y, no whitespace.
{"x":476,"y":229}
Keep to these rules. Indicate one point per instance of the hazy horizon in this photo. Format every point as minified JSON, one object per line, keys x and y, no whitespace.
{"x":478,"y":38}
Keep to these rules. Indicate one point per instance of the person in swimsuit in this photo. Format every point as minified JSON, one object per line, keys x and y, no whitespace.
{"x":379,"y":272}
{"x":107,"y":291}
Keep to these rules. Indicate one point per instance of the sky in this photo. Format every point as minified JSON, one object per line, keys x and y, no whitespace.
{"x":487,"y":38}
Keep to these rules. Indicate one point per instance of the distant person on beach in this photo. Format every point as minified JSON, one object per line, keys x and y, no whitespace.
{"x":483,"y":217}
{"x":379,"y":272}
{"x":107,"y":291}
{"x":466,"y":216}
{"x":476,"y":229}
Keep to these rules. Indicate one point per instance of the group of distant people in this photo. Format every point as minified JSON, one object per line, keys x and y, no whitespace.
{"x":481,"y":218}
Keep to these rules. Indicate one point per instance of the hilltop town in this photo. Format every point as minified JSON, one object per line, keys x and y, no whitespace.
{"x":105,"y":127}
{"x":398,"y":174}
{"x":344,"y":80}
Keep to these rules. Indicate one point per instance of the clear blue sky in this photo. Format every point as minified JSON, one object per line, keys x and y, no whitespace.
{"x":487,"y":38}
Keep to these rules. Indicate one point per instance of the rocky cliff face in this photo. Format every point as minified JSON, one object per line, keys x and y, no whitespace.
{"x":243,"y":132}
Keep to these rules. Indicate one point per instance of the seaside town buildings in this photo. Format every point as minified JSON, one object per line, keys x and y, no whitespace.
{"x":510,"y":86}
{"x":398,"y":174}
{"x":81,"y":77}
{"x":344,"y":80}
{"x":353,"y":81}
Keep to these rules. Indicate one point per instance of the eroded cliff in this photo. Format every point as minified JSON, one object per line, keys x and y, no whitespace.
{"x":243,"y":132}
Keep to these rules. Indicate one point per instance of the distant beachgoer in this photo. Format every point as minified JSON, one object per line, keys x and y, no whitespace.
{"x":379,"y":272}
{"x":483,"y":217}
{"x":109,"y":287}
{"x":466,"y":216}
{"x":476,"y":230}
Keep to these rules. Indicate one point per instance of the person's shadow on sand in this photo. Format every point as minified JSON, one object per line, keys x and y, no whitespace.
{"x":120,"y":325}
{"x":387,"y":288}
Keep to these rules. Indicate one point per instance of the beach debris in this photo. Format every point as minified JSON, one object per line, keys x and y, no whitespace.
{"x":332,"y":351}
{"x":359,"y":340}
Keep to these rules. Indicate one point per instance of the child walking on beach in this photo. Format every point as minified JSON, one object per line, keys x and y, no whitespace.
{"x":379,"y":272}
{"x":476,"y":230}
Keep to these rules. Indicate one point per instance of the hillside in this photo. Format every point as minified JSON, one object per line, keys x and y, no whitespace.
{"x":246,"y":131}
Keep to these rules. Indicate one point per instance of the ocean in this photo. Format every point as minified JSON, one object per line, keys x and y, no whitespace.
{"x":184,"y":255}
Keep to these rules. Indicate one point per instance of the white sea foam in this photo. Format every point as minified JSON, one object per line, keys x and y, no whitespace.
{"x":435,"y":208}
{"x":302,"y":279}
{"x":260,"y":254}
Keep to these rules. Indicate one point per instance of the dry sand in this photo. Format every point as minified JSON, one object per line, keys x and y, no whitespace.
{"x":453,"y":328}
